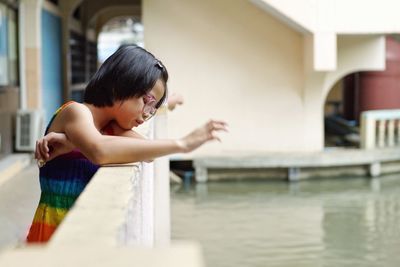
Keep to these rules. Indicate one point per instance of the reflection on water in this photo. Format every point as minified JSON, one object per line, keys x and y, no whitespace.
{"x":329,"y":222}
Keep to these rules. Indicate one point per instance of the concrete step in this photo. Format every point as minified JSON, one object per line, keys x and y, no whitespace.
{"x":12,"y":165}
{"x":330,"y":162}
{"x":19,"y":197}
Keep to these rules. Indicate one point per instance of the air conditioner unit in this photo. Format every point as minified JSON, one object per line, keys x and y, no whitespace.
{"x":30,"y":128}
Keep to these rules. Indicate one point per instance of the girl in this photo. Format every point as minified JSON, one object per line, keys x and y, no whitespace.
{"x":127,"y":90}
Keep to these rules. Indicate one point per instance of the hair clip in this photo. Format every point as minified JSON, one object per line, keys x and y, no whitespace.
{"x":158,"y":64}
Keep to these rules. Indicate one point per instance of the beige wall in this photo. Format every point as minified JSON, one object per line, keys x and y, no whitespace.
{"x":231,"y":61}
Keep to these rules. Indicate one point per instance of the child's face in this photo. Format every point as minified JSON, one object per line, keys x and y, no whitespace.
{"x":129,"y":113}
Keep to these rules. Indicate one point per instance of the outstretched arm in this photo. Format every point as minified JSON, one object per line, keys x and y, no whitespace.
{"x":80,"y":130}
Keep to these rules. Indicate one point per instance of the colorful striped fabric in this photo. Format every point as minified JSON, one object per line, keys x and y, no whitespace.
{"x":61,"y":181}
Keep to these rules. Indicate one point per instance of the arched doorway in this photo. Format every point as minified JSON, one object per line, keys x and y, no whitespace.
{"x":341,"y":124}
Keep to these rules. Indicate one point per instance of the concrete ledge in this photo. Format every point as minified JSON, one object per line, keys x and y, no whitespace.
{"x":295,"y":166}
{"x":179,"y":254}
{"x":110,"y":224}
{"x":100,"y":213}
{"x":13,"y":164}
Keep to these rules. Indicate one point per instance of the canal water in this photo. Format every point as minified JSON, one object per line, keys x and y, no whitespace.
{"x":327,"y":222}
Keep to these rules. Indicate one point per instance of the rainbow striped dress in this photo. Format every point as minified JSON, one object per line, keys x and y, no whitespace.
{"x":61,"y":181}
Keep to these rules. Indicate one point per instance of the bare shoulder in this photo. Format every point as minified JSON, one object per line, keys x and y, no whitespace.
{"x":74,"y":112}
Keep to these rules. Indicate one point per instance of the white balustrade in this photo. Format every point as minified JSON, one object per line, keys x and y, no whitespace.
{"x":391,"y":140}
{"x":162,"y":220}
{"x":152,"y":209}
{"x":380,"y":128}
{"x":381,"y":133}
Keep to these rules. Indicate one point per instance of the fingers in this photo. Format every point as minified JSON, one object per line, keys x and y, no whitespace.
{"x":44,"y":149}
{"x":220,"y":128}
{"x":39,"y":156}
{"x":216,"y":125}
{"x":40,"y":151}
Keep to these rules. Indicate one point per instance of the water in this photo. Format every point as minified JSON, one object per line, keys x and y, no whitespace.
{"x":330,"y":222}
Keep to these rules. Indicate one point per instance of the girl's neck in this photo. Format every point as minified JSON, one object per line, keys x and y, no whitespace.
{"x":101,"y":115}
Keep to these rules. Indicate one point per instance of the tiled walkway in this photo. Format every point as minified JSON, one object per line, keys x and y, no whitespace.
{"x":19,"y":197}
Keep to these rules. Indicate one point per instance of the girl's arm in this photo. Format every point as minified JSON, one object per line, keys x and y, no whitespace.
{"x":118,"y":131}
{"x":55,"y":144}
{"x":101,"y":149}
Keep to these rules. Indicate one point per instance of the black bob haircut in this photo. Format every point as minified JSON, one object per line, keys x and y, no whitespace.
{"x":130,"y":72}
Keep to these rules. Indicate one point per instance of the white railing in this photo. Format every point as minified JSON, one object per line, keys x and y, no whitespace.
{"x":151,"y":212}
{"x":161,"y":195}
{"x":380,"y":128}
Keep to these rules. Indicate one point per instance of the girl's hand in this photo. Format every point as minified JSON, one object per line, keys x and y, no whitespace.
{"x":198,"y":137}
{"x":173,"y":100}
{"x":50,"y":146}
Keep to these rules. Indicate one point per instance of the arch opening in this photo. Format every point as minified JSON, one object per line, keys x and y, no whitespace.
{"x":341,"y":109}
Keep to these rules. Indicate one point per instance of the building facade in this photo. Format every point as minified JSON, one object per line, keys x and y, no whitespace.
{"x":264,"y":66}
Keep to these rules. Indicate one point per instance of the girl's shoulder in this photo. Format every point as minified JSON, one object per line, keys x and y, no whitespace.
{"x":75,"y":109}
{"x":69,"y":112}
